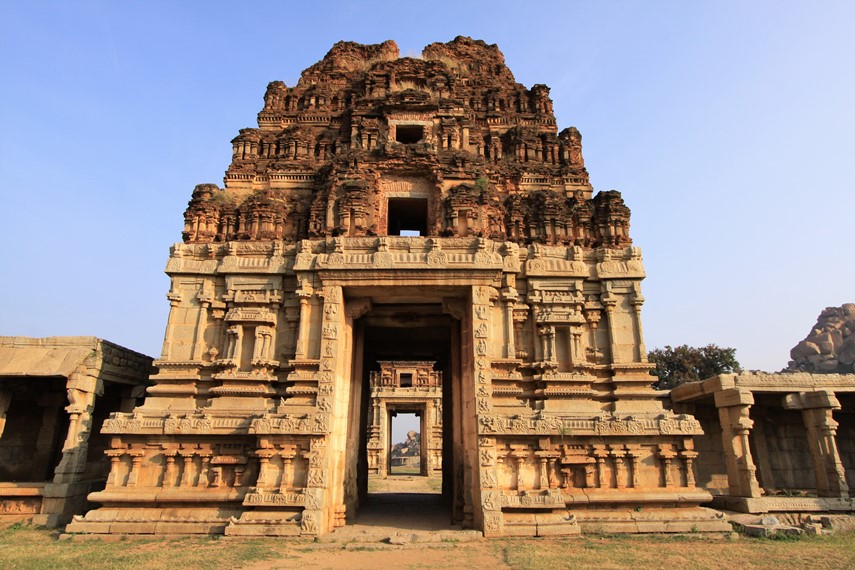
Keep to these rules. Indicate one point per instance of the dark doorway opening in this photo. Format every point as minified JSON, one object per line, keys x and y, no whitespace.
{"x":407,"y":216}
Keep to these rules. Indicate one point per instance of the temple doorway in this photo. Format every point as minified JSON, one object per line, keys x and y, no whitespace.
{"x":405,"y":370}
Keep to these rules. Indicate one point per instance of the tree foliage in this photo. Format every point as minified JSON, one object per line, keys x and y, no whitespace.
{"x":675,"y":366}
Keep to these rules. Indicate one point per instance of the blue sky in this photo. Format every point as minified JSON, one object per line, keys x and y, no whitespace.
{"x":727,"y":126}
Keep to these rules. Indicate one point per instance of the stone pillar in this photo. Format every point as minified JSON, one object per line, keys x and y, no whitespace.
{"x":264,"y":481}
{"x":169,"y":469}
{"x":115,"y":456}
{"x":81,"y":397}
{"x":5,"y":400}
{"x":234,"y":336}
{"x":688,"y":456}
{"x":609,"y":301}
{"x":575,"y":349}
{"x":733,"y":410}
{"x":509,"y":298}
{"x":204,"y":297}
{"x":600,"y":453}
{"x":666,"y":455}
{"x":304,"y":326}
{"x":187,"y":470}
{"x":287,"y":470}
{"x":637,"y":300}
{"x":479,"y":481}
{"x":816,"y":408}
{"x":136,"y":464}
{"x":174,"y":302}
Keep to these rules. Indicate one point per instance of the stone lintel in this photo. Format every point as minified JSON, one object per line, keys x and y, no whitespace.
{"x":810,"y":400}
{"x":733,"y":397}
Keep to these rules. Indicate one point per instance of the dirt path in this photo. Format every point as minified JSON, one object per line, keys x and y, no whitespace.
{"x":469,"y":555}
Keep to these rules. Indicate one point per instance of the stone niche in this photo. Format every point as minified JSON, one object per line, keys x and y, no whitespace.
{"x":389,"y":210}
{"x":55,"y":393}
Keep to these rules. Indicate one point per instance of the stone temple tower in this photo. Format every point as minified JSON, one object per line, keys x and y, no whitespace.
{"x":399,"y":209}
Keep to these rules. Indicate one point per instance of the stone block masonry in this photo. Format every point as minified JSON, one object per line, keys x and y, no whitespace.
{"x":390,"y":209}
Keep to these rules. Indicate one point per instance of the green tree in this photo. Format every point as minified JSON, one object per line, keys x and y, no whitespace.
{"x":675,"y":366}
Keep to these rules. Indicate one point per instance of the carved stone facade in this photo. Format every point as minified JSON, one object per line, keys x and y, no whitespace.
{"x":54,"y":395}
{"x":398,"y":209}
{"x":405,"y":386}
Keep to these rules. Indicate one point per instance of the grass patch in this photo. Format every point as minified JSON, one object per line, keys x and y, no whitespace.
{"x":682,"y":551}
{"x":30,"y":548}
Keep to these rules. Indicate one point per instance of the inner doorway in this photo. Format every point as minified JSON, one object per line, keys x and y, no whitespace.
{"x":405,"y":367}
{"x":405,"y":426}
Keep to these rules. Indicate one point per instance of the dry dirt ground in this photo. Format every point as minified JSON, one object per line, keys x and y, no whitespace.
{"x":408,"y":510}
{"x":26,"y":547}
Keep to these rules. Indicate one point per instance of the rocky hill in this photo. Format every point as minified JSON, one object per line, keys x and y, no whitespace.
{"x":830,"y":346}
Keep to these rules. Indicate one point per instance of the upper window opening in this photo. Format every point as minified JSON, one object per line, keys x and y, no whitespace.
{"x":409,"y":134}
{"x":407,"y":217}
{"x":406,"y":380}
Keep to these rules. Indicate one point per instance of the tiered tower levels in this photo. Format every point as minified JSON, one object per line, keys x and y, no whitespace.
{"x":394,"y":209}
{"x":484,"y":150}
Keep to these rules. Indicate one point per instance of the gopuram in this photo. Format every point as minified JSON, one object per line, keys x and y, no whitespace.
{"x":385,"y":210}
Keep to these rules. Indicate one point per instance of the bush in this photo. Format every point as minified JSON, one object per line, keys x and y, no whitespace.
{"x":675,"y":366}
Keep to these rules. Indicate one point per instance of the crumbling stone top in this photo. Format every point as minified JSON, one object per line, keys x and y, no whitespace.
{"x":454,"y":121}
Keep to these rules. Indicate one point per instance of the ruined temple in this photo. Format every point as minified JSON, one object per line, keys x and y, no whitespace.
{"x":387,"y":210}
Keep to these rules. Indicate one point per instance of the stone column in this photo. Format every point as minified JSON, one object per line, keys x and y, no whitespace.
{"x":575,"y":349}
{"x":816,"y":408}
{"x":169,"y":469}
{"x":287,"y":470}
{"x":666,"y":455}
{"x":264,"y":481}
{"x":204,"y":297}
{"x":234,"y":335}
{"x":81,"y":397}
{"x":733,"y":410}
{"x":174,"y":302}
{"x":479,"y":481}
{"x":688,"y":456}
{"x":187,"y":470}
{"x":136,"y":467}
{"x":5,"y":400}
{"x":115,"y":456}
{"x":509,"y":298}
{"x":600,"y":453}
{"x":304,"y":293}
{"x":609,"y":301}
{"x":637,"y":300}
